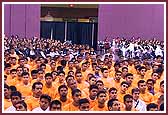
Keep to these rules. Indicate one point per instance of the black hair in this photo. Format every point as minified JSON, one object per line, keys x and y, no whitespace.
{"x":55,"y":102}
{"x":92,"y":87}
{"x":158,"y":56}
{"x":12,"y":70}
{"x":7,"y":65}
{"x":150,"y":80}
{"x":70,"y":71}
{"x":124,"y":68}
{"x":162,"y":82}
{"x":40,"y":69}
{"x":100,"y":93}
{"x":161,"y":108}
{"x":16,"y":93}
{"x":82,"y":101}
{"x":128,"y":74}
{"x":12,"y":88}
{"x":110,"y":102}
{"x":5,"y":76}
{"x":77,"y":72}
{"x":22,"y":103}
{"x":124,"y":82}
{"x":43,"y":65}
{"x":111,"y":89}
{"x":99,"y":81}
{"x":103,"y":69}
{"x":75,"y":91}
{"x":25,"y":73}
{"x":34,"y":72}
{"x":61,"y":72}
{"x":141,"y":81}
{"x":63,"y":62}
{"x":62,"y":86}
{"x":60,"y":68}
{"x":36,"y":83}
{"x":151,"y":105}
{"x":118,"y":72}
{"x":6,"y":86}
{"x":48,"y":75}
{"x":91,"y":76}
{"x":127,"y":96}
{"x":45,"y":96}
{"x":117,"y":64}
{"x":68,"y":77}
{"x":135,"y":90}
{"x":142,"y":67}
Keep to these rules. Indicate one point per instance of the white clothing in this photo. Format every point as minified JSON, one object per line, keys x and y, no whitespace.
{"x":11,"y":108}
{"x":158,"y":51}
{"x":39,"y":109}
{"x":140,"y":105}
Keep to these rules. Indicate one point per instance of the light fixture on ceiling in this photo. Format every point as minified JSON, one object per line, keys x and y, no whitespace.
{"x":48,"y":17}
{"x":71,"y":5}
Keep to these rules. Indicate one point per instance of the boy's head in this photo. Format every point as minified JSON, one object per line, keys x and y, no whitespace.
{"x":6,"y":91}
{"x":15,"y":97}
{"x":113,"y":93}
{"x":76,"y":95}
{"x":152,"y":107}
{"x":37,"y":89}
{"x":113,"y":105}
{"x":102,"y":97}
{"x":63,"y":90}
{"x":55,"y":105}
{"x":128,"y":101}
{"x":45,"y":101}
{"x":84,"y":104}
{"x":21,"y":106}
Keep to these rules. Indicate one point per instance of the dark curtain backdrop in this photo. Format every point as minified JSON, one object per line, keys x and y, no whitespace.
{"x":45,"y":29}
{"x":85,"y":33}
{"x":77,"y":32}
{"x":72,"y":32}
{"x":58,"y":29}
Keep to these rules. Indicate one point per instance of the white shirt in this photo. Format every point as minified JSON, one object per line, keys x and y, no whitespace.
{"x":131,"y":47}
{"x":71,"y":56}
{"x":123,"y":50}
{"x":140,"y":105}
{"x":39,"y":109}
{"x":11,"y":108}
{"x":158,"y":51}
{"x":32,"y":52}
{"x":42,"y":53}
{"x":52,"y":54}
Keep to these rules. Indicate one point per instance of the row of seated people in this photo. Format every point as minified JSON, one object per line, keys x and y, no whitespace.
{"x":97,"y":100}
{"x":96,"y":79}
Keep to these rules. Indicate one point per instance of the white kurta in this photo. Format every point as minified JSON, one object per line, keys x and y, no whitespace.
{"x":39,"y":109}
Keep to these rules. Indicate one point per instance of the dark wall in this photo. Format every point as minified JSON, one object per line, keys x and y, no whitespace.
{"x":69,"y":12}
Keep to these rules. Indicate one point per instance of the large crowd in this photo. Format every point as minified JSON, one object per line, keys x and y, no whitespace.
{"x":48,"y":75}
